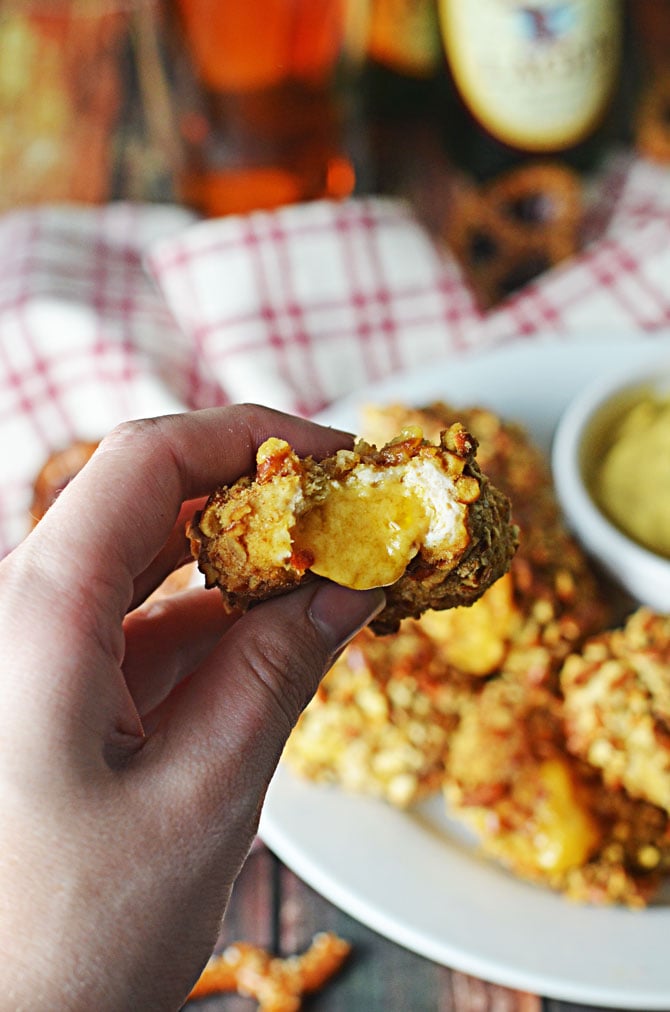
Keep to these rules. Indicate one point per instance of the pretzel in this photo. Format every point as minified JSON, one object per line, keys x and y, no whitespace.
{"x":507,"y":232}
{"x":276,"y":984}
{"x":652,"y":126}
{"x":542,"y":198}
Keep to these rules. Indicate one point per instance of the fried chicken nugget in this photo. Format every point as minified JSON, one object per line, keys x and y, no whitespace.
{"x":382,"y":718}
{"x":417,"y":518}
{"x":617,"y":705}
{"x":555,"y":600}
{"x":543,"y":813}
{"x":57,"y":472}
{"x":509,"y":779}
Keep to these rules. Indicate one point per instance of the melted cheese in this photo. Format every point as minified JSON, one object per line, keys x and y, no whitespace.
{"x":373,"y":523}
{"x":565,"y":832}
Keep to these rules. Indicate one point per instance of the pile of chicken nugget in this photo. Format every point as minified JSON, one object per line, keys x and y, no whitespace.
{"x":541,"y":713}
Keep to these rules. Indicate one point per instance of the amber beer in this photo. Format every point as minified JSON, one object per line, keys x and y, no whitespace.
{"x":262,"y":125}
{"x":530,"y":78}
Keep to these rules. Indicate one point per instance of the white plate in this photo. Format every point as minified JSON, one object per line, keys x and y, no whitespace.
{"x":410,"y":875}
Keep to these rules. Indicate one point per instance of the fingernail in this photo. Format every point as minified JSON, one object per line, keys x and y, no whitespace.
{"x":339,"y":613}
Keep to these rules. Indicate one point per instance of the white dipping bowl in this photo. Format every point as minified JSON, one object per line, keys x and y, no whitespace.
{"x":582,"y":436}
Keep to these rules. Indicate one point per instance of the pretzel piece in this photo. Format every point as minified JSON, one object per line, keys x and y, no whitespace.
{"x":276,"y":984}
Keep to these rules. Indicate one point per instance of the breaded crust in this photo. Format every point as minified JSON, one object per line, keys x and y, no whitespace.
{"x":57,"y":472}
{"x":557,"y":595}
{"x":381,"y":720}
{"x":542,"y":812}
{"x":617,"y":706}
{"x":418,"y":518}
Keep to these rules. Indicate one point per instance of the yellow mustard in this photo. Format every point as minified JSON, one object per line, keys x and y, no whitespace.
{"x":632,"y":485}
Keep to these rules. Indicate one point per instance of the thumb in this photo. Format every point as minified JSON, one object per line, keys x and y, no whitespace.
{"x":237,"y":709}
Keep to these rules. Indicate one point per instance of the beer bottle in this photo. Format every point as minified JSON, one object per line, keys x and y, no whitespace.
{"x":399,"y":91}
{"x":530,"y":78}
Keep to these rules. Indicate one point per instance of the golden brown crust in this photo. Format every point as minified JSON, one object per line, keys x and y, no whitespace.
{"x":470,"y":700}
{"x":542,"y":812}
{"x":384,"y":718}
{"x":56,"y":473}
{"x":557,"y":600}
{"x":248,"y":543}
{"x":381,"y":721}
{"x":617,"y":706}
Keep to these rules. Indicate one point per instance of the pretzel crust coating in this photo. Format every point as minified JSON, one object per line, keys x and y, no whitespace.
{"x":382,"y":718}
{"x":617,"y":706}
{"x":417,"y":518}
{"x":542,"y":812}
{"x":556,"y":596}
{"x":560,"y":768}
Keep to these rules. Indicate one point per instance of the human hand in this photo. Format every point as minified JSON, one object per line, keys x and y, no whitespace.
{"x":136,"y":743}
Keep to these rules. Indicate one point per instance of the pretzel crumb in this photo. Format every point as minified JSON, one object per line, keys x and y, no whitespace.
{"x":276,"y":984}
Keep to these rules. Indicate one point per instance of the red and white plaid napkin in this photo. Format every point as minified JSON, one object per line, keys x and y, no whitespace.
{"x":298,"y":306}
{"x":133,"y":310}
{"x":85,"y":339}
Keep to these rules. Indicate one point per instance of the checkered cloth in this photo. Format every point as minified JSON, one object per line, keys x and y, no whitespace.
{"x":129,"y":310}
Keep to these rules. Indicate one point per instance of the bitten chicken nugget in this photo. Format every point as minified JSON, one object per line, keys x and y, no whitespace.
{"x":416,"y":518}
{"x":555,"y":599}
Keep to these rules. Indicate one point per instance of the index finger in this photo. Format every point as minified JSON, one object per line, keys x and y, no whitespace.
{"x":117,"y":513}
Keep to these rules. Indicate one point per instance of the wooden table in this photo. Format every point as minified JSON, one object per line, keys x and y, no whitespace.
{"x":273,"y":908}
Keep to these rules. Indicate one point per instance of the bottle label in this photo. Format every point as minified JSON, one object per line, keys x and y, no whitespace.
{"x":537,"y":74}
